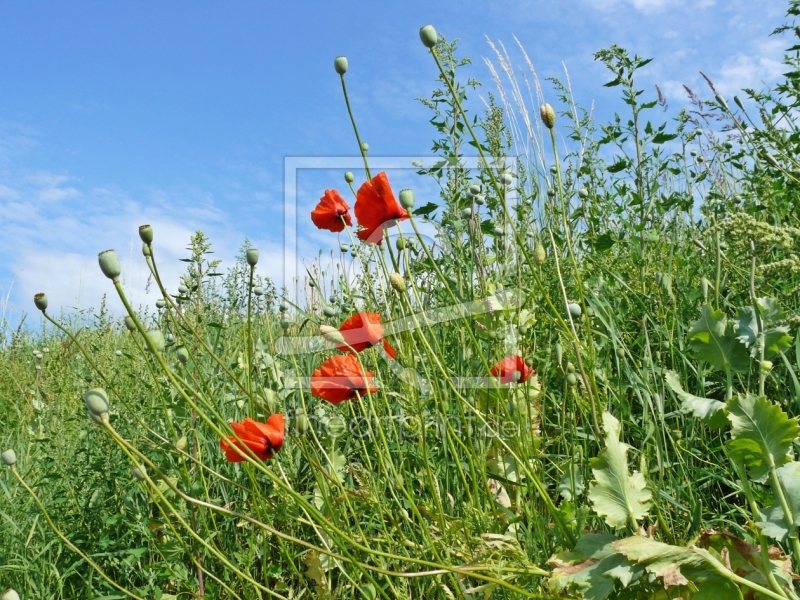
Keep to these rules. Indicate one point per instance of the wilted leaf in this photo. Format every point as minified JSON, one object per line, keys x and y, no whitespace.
{"x":620,"y":498}
{"x":713,"y":339}
{"x":711,"y":411}
{"x":762,"y":434}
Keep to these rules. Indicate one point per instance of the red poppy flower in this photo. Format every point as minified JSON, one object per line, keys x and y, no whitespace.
{"x":376,"y":208}
{"x":330,"y":211}
{"x":339,"y":378}
{"x":505,"y":369}
{"x":264,"y":439}
{"x":363,"y":331}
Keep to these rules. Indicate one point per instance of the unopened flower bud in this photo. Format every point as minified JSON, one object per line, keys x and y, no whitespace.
{"x":349,"y":177}
{"x":427,"y":35}
{"x":329,"y":311}
{"x":161,"y":303}
{"x":739,"y":102}
{"x":9,"y":457}
{"x":559,"y":354}
{"x":331,"y":334}
{"x":170,"y":338}
{"x":583,"y":193}
{"x":766,"y":366}
{"x":252,"y":256}
{"x":704,"y":287}
{"x":181,"y":443}
{"x":301,"y":424}
{"x":344,"y":248}
{"x":183,"y":355}
{"x":340,"y":64}
{"x":507,"y":178}
{"x":156,"y":339}
{"x":139,"y":472}
{"x":130,"y":324}
{"x":183,"y":290}
{"x":146,"y":234}
{"x":285,"y":324}
{"x":728,"y":144}
{"x":466,"y":214}
{"x":364,"y":147}
{"x":109,"y":264}
{"x":96,"y":401}
{"x":401,"y":242}
{"x":575,"y":310}
{"x":407,"y":199}
{"x":572,"y":379}
{"x":479,"y":200}
{"x":722,"y":102}
{"x":539,"y":255}
{"x":146,"y":250}
{"x":284,"y":306}
{"x":397,"y":282}
{"x":498,"y":231}
{"x":548,"y":115}
{"x":40,"y":300}
{"x":258,"y":290}
{"x":771,"y":160}
{"x":475,"y":189}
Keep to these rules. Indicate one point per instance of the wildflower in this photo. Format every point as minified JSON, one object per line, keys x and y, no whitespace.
{"x":376,"y":208}
{"x":340,"y":378}
{"x":512,"y":368}
{"x":362,"y":331}
{"x":264,"y":439}
{"x":332,"y":212}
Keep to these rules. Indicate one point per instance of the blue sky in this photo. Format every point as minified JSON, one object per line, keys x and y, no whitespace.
{"x":181,"y":114}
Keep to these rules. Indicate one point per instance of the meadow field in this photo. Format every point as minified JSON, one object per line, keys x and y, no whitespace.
{"x":584,"y":384}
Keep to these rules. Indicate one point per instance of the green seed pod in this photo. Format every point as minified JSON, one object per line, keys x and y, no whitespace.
{"x":400,"y":243}
{"x":181,"y":443}
{"x":40,"y":300}
{"x":554,"y":169}
{"x":677,"y":434}
{"x":130,"y":324}
{"x":364,"y":147}
{"x":474,"y":189}
{"x":156,"y":338}
{"x":146,"y":234}
{"x":301,"y":424}
{"x":575,"y":310}
{"x":284,"y":306}
{"x":139,"y":472}
{"x":329,"y":311}
{"x":397,"y":282}
{"x":693,"y":153}
{"x":548,"y":115}
{"x":349,"y":177}
{"x":498,"y":231}
{"x":407,"y":199}
{"x":551,"y":192}
{"x":252,"y":256}
{"x":559,"y":354}
{"x":183,"y":355}
{"x":340,"y":64}
{"x":9,"y":457}
{"x":427,"y":36}
{"x":10,"y":594}
{"x":701,"y":159}
{"x":344,"y":248}
{"x":475,"y":363}
{"x":507,"y":178}
{"x":170,"y":338}
{"x":285,"y":325}
{"x":258,"y":290}
{"x":146,"y":250}
{"x":771,"y":159}
{"x":665,"y":344}
{"x":539,"y":255}
{"x":698,"y":132}
{"x":523,"y":329}
{"x":96,"y":401}
{"x":721,"y":101}
{"x":583,"y":193}
{"x":109,"y":264}
{"x":118,"y":353}
{"x":728,"y":145}
{"x":183,"y":290}
{"x":336,"y":426}
{"x":738,"y":102}
{"x":466,"y":214}
{"x":161,"y":303}
{"x":492,"y":335}
{"x":570,"y":367}
{"x":480,"y":200}
{"x":572,"y":379}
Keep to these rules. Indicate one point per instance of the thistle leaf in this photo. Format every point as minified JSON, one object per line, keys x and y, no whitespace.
{"x":762,"y":434}
{"x":620,"y":498}
{"x":711,"y":411}
{"x":713,"y":339}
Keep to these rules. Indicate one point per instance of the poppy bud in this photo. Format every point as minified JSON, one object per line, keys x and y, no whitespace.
{"x":507,"y":178}
{"x":559,"y":354}
{"x":583,"y":193}
{"x":258,"y":290}
{"x":9,"y":457}
{"x":400,"y":243}
{"x":170,"y":338}
{"x":340,"y":64}
{"x":570,"y":367}
{"x":771,"y":159}
{"x":109,"y":264}
{"x":139,"y":472}
{"x":183,"y":290}
{"x":572,"y":379}
{"x":466,"y":213}
{"x":539,"y":255}
{"x":407,"y":199}
{"x":427,"y":35}
{"x":738,"y":102}
{"x":146,"y":250}
{"x":146,"y":234}
{"x":301,"y":424}
{"x":252,"y":256}
{"x":475,"y":189}
{"x":575,"y":310}
{"x":765,"y":366}
{"x":183,"y":355}
{"x":397,"y":282}
{"x":329,"y":311}
{"x":284,"y":306}
{"x":161,"y":303}
{"x":349,"y":177}
{"x":344,"y":248}
{"x":118,"y":353}
{"x":548,"y":115}
{"x":10,"y":594}
{"x":704,"y":287}
{"x":698,"y":132}
{"x":479,"y":199}
{"x":285,"y":325}
{"x":130,"y":324}
{"x":693,"y":152}
{"x":40,"y":300}
{"x":721,"y":101}
{"x":156,"y":338}
{"x":331,"y":334}
{"x":181,"y":444}
{"x":498,"y":231}
{"x":96,"y":401}
{"x":364,"y":147}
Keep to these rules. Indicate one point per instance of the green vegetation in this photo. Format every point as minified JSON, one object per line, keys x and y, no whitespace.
{"x":595,"y":392}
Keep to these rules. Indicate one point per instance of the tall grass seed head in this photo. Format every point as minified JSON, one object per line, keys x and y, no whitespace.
{"x":96,"y":401}
{"x":340,"y":64}
{"x":252,"y":256}
{"x":40,"y":300}
{"x":407,"y":199}
{"x":349,"y":177}
{"x":548,"y":115}
{"x":539,"y":255}
{"x":156,"y":339}
{"x":109,"y":264}
{"x":9,"y":457}
{"x":146,"y":234}
{"x":428,"y":37}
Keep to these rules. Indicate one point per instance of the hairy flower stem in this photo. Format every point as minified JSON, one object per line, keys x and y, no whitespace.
{"x":355,"y":128}
{"x":249,"y":350}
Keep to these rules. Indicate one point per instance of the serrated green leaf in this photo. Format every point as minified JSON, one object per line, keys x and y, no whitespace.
{"x":713,"y":339}
{"x":774,"y":523}
{"x":746,"y":326}
{"x":770,"y":310}
{"x":662,"y":560}
{"x":620,"y":498}
{"x":762,"y":434}
{"x":571,"y":485}
{"x":711,"y":411}
{"x":776,"y":339}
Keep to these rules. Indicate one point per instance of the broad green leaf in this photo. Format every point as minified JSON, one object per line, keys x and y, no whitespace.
{"x":711,"y":411}
{"x":776,"y":339}
{"x":571,"y":484}
{"x":774,"y":523}
{"x":762,"y":434}
{"x":770,"y":311}
{"x":746,"y":326}
{"x":662,"y":560}
{"x":620,"y":498}
{"x":713,"y":339}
